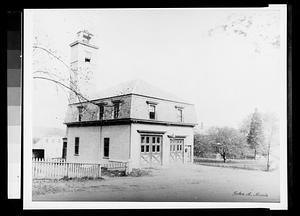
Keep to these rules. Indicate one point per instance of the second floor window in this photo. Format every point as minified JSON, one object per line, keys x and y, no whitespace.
{"x":180,"y":115}
{"x":101,"y":112}
{"x":80,"y":113}
{"x":152,"y":111}
{"x":88,"y":56}
{"x":116,"y":110}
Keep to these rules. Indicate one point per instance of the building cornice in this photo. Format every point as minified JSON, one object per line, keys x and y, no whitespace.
{"x":126,"y":121}
{"x":117,"y":96}
{"x":85,"y":44}
{"x":151,"y":132}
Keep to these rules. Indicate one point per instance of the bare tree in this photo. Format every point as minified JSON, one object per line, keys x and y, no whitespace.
{"x":61,"y":74}
{"x":62,"y":78}
{"x":271,"y":130}
{"x":258,"y":29}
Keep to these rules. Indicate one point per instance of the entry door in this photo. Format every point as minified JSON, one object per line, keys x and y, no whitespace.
{"x":151,"y":150}
{"x":176,"y":150}
{"x":188,"y":154}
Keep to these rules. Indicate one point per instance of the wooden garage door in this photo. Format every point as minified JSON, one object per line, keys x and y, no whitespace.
{"x":151,"y":150}
{"x":176,"y":150}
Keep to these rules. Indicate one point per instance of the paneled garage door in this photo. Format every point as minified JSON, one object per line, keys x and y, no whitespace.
{"x":151,"y":150}
{"x":176,"y":150}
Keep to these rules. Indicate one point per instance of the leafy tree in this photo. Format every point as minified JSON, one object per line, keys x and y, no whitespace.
{"x":244,"y":126}
{"x":202,"y":145}
{"x":228,"y":142}
{"x":255,"y":137}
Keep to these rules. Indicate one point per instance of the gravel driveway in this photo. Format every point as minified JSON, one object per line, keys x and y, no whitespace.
{"x":182,"y":183}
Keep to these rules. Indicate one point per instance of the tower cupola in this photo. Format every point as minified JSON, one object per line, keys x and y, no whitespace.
{"x":82,"y":65}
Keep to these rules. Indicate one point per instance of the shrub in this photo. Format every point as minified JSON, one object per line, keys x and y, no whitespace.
{"x":113,"y":173}
{"x":139,"y":172}
{"x":85,"y":178}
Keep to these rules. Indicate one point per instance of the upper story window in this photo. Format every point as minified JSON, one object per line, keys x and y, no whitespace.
{"x":116,"y":111}
{"x":179,"y":111}
{"x":101,"y":111}
{"x":88,"y":56}
{"x":101,"y":106}
{"x":152,"y":109}
{"x":80,"y":111}
{"x":179,"y":115}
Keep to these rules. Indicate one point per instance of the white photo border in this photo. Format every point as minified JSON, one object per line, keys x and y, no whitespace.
{"x":27,"y":136}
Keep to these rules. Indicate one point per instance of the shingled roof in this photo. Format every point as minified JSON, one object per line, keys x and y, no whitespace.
{"x":138,"y":87}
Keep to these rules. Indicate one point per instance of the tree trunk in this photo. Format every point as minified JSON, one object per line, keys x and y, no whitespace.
{"x":255,"y":154}
{"x":224,"y":157}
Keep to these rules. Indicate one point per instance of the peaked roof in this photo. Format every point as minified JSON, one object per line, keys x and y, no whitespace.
{"x":139,"y":87}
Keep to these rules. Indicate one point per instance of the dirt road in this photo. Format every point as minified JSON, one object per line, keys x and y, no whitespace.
{"x":184,"y":183}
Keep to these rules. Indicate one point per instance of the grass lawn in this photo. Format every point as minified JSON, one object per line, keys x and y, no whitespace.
{"x":259,"y":164}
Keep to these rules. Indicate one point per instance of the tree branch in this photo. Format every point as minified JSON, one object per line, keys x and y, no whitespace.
{"x":50,"y":53}
{"x":62,"y":84}
{"x":56,"y":76}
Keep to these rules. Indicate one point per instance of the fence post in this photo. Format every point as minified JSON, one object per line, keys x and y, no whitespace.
{"x":33,"y":168}
{"x":126,"y":168}
{"x":129,"y":166}
{"x":99,"y":171}
{"x":67,"y":166}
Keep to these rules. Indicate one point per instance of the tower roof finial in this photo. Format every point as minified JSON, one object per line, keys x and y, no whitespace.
{"x":84,"y":36}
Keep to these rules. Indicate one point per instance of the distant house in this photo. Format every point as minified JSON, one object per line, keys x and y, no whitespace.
{"x":133,"y":122}
{"x":48,"y":147}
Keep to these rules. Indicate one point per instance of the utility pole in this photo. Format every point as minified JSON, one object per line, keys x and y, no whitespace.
{"x":269,"y":147}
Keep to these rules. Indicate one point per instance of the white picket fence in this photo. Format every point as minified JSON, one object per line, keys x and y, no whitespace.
{"x":55,"y":169}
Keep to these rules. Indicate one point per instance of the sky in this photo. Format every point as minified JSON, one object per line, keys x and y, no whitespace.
{"x":226,"y":62}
